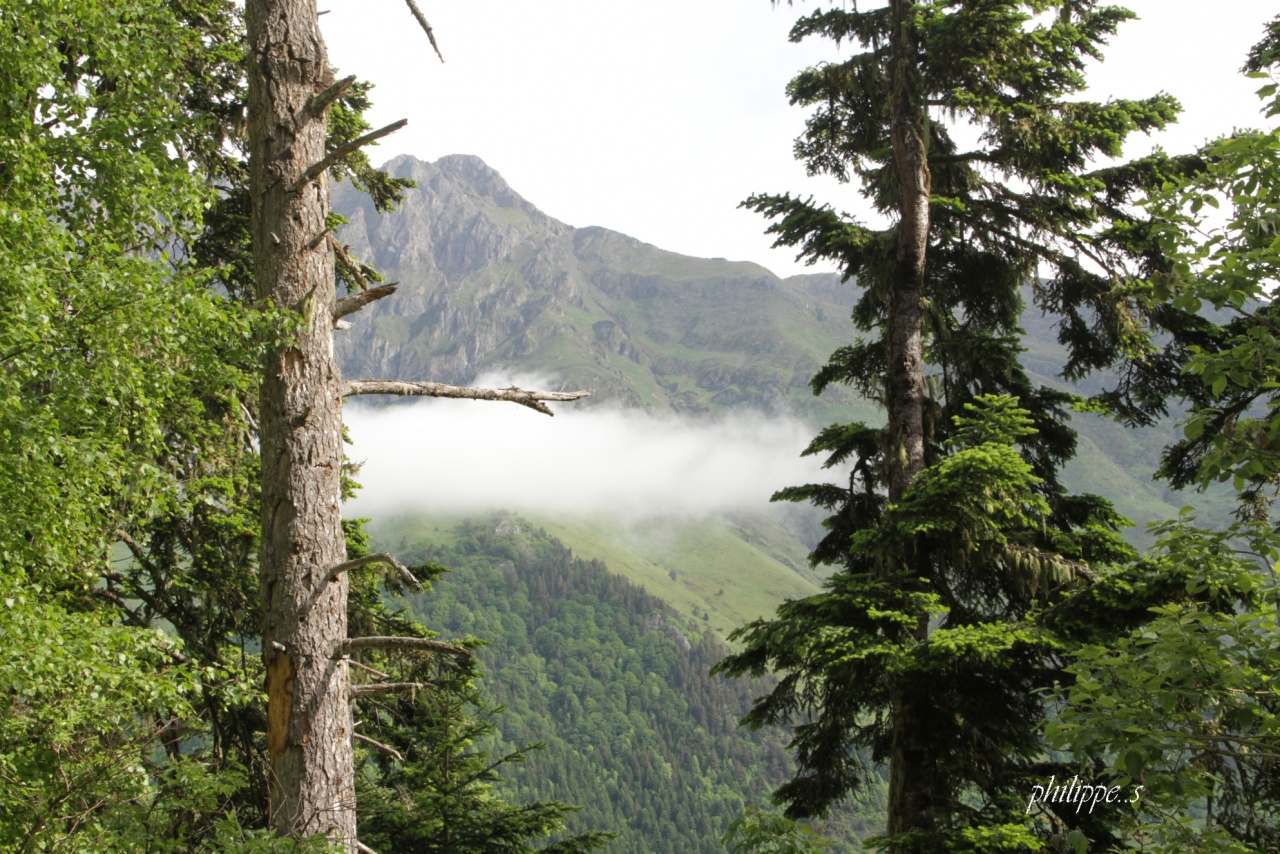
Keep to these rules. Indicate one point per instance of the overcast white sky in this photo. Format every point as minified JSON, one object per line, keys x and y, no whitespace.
{"x":656,"y":119}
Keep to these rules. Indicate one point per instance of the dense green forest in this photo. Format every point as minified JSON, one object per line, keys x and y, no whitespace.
{"x":611,"y":679}
{"x":982,"y":631}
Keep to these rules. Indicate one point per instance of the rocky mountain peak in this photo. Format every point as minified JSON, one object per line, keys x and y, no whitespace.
{"x":489,"y":281}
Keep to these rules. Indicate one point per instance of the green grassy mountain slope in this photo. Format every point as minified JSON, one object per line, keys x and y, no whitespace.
{"x":716,"y":573}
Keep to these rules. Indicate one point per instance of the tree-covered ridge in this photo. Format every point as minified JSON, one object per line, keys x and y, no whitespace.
{"x":610,"y":678}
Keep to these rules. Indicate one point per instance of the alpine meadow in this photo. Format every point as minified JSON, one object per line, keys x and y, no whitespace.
{"x":963,"y":539}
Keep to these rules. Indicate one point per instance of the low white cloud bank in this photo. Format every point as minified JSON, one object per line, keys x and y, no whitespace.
{"x":463,"y":456}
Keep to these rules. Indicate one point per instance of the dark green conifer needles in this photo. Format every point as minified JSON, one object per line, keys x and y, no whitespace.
{"x":924,"y":653}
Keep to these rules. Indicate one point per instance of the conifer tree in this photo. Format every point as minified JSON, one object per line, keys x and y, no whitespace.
{"x":952,"y":526}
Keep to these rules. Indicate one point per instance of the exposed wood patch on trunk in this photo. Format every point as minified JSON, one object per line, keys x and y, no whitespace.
{"x":279,"y":704}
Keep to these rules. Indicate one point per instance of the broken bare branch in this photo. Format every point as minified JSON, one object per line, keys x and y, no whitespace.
{"x":385,"y":748}
{"x":381,"y":557}
{"x":410,"y":644}
{"x":321,"y":101}
{"x":354,"y":302}
{"x":426,"y":28}
{"x":334,"y":157}
{"x":367,"y":669}
{"x":379,"y":688}
{"x":532,"y":399}
{"x":362,"y":848}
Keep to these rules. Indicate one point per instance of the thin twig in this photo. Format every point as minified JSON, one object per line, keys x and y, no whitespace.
{"x":341,"y":250}
{"x":532,"y":399}
{"x":385,"y":748}
{"x":369,"y":669}
{"x":426,"y":28}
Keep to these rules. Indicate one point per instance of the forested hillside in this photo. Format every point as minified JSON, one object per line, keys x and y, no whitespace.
{"x":613,"y":680}
{"x":201,"y":654}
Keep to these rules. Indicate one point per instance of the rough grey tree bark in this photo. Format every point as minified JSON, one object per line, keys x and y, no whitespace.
{"x":312,"y":787}
{"x":303,"y":561}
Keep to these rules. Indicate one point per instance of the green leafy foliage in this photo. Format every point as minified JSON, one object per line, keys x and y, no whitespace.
{"x":83,"y":700}
{"x":131,"y":693}
{"x":114,"y":394}
{"x":1186,"y":704}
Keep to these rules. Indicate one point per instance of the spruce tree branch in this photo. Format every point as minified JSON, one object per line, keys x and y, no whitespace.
{"x":409,"y":644}
{"x":321,"y":101}
{"x":315,"y":170}
{"x":967,"y":157}
{"x":426,"y":28}
{"x":391,"y":751}
{"x":388,"y":688}
{"x":354,"y":302}
{"x":381,"y":557}
{"x":532,"y":399}
{"x":1076,"y":566}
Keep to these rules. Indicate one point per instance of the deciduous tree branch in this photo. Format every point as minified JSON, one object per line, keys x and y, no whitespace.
{"x":138,"y":554}
{"x":532,"y":399}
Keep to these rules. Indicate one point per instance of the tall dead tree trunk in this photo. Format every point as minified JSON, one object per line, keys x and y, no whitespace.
{"x":912,"y":772}
{"x":312,"y":786}
{"x":304,"y":582}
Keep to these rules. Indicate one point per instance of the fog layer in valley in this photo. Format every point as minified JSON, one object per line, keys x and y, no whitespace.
{"x":457,"y":455}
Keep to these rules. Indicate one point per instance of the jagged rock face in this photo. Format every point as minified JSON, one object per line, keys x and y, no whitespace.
{"x":489,"y":282}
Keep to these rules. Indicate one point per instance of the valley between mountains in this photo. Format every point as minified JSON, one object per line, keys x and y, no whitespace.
{"x":603,"y":618}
